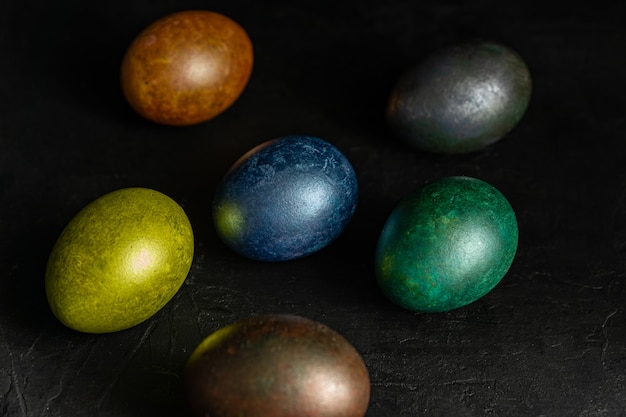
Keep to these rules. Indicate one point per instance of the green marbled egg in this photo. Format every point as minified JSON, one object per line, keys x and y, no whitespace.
{"x":446,"y":245}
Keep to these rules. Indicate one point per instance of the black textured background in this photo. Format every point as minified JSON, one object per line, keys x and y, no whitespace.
{"x":550,"y":340}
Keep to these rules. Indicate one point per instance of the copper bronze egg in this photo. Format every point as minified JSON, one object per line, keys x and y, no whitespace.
{"x":187,"y":67}
{"x":276,"y":366}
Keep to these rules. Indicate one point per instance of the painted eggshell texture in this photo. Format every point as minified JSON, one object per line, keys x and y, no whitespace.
{"x":276,"y":366}
{"x":461,"y":98}
{"x":187,"y":67}
{"x":119,"y":261}
{"x":285,"y":199}
{"x":446,"y":245}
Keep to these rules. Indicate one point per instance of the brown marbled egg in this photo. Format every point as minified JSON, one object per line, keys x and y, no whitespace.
{"x":276,"y":366}
{"x":187,"y":68}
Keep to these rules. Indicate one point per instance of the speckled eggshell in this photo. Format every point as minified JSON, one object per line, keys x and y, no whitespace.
{"x":187,"y":67}
{"x":446,"y":245}
{"x":276,"y":366}
{"x":119,"y":260}
{"x":461,"y":98}
{"x":285,"y":199}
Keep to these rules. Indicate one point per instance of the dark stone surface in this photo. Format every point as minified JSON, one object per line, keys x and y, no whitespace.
{"x":549,"y":340}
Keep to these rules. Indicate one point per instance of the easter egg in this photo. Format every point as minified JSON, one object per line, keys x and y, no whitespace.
{"x":187,"y":67}
{"x":119,"y":261}
{"x":276,"y":366}
{"x":446,"y":245}
{"x":285,"y":199}
{"x":461,"y":98}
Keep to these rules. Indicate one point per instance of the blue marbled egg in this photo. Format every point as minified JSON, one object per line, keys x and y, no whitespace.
{"x":285,"y":199}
